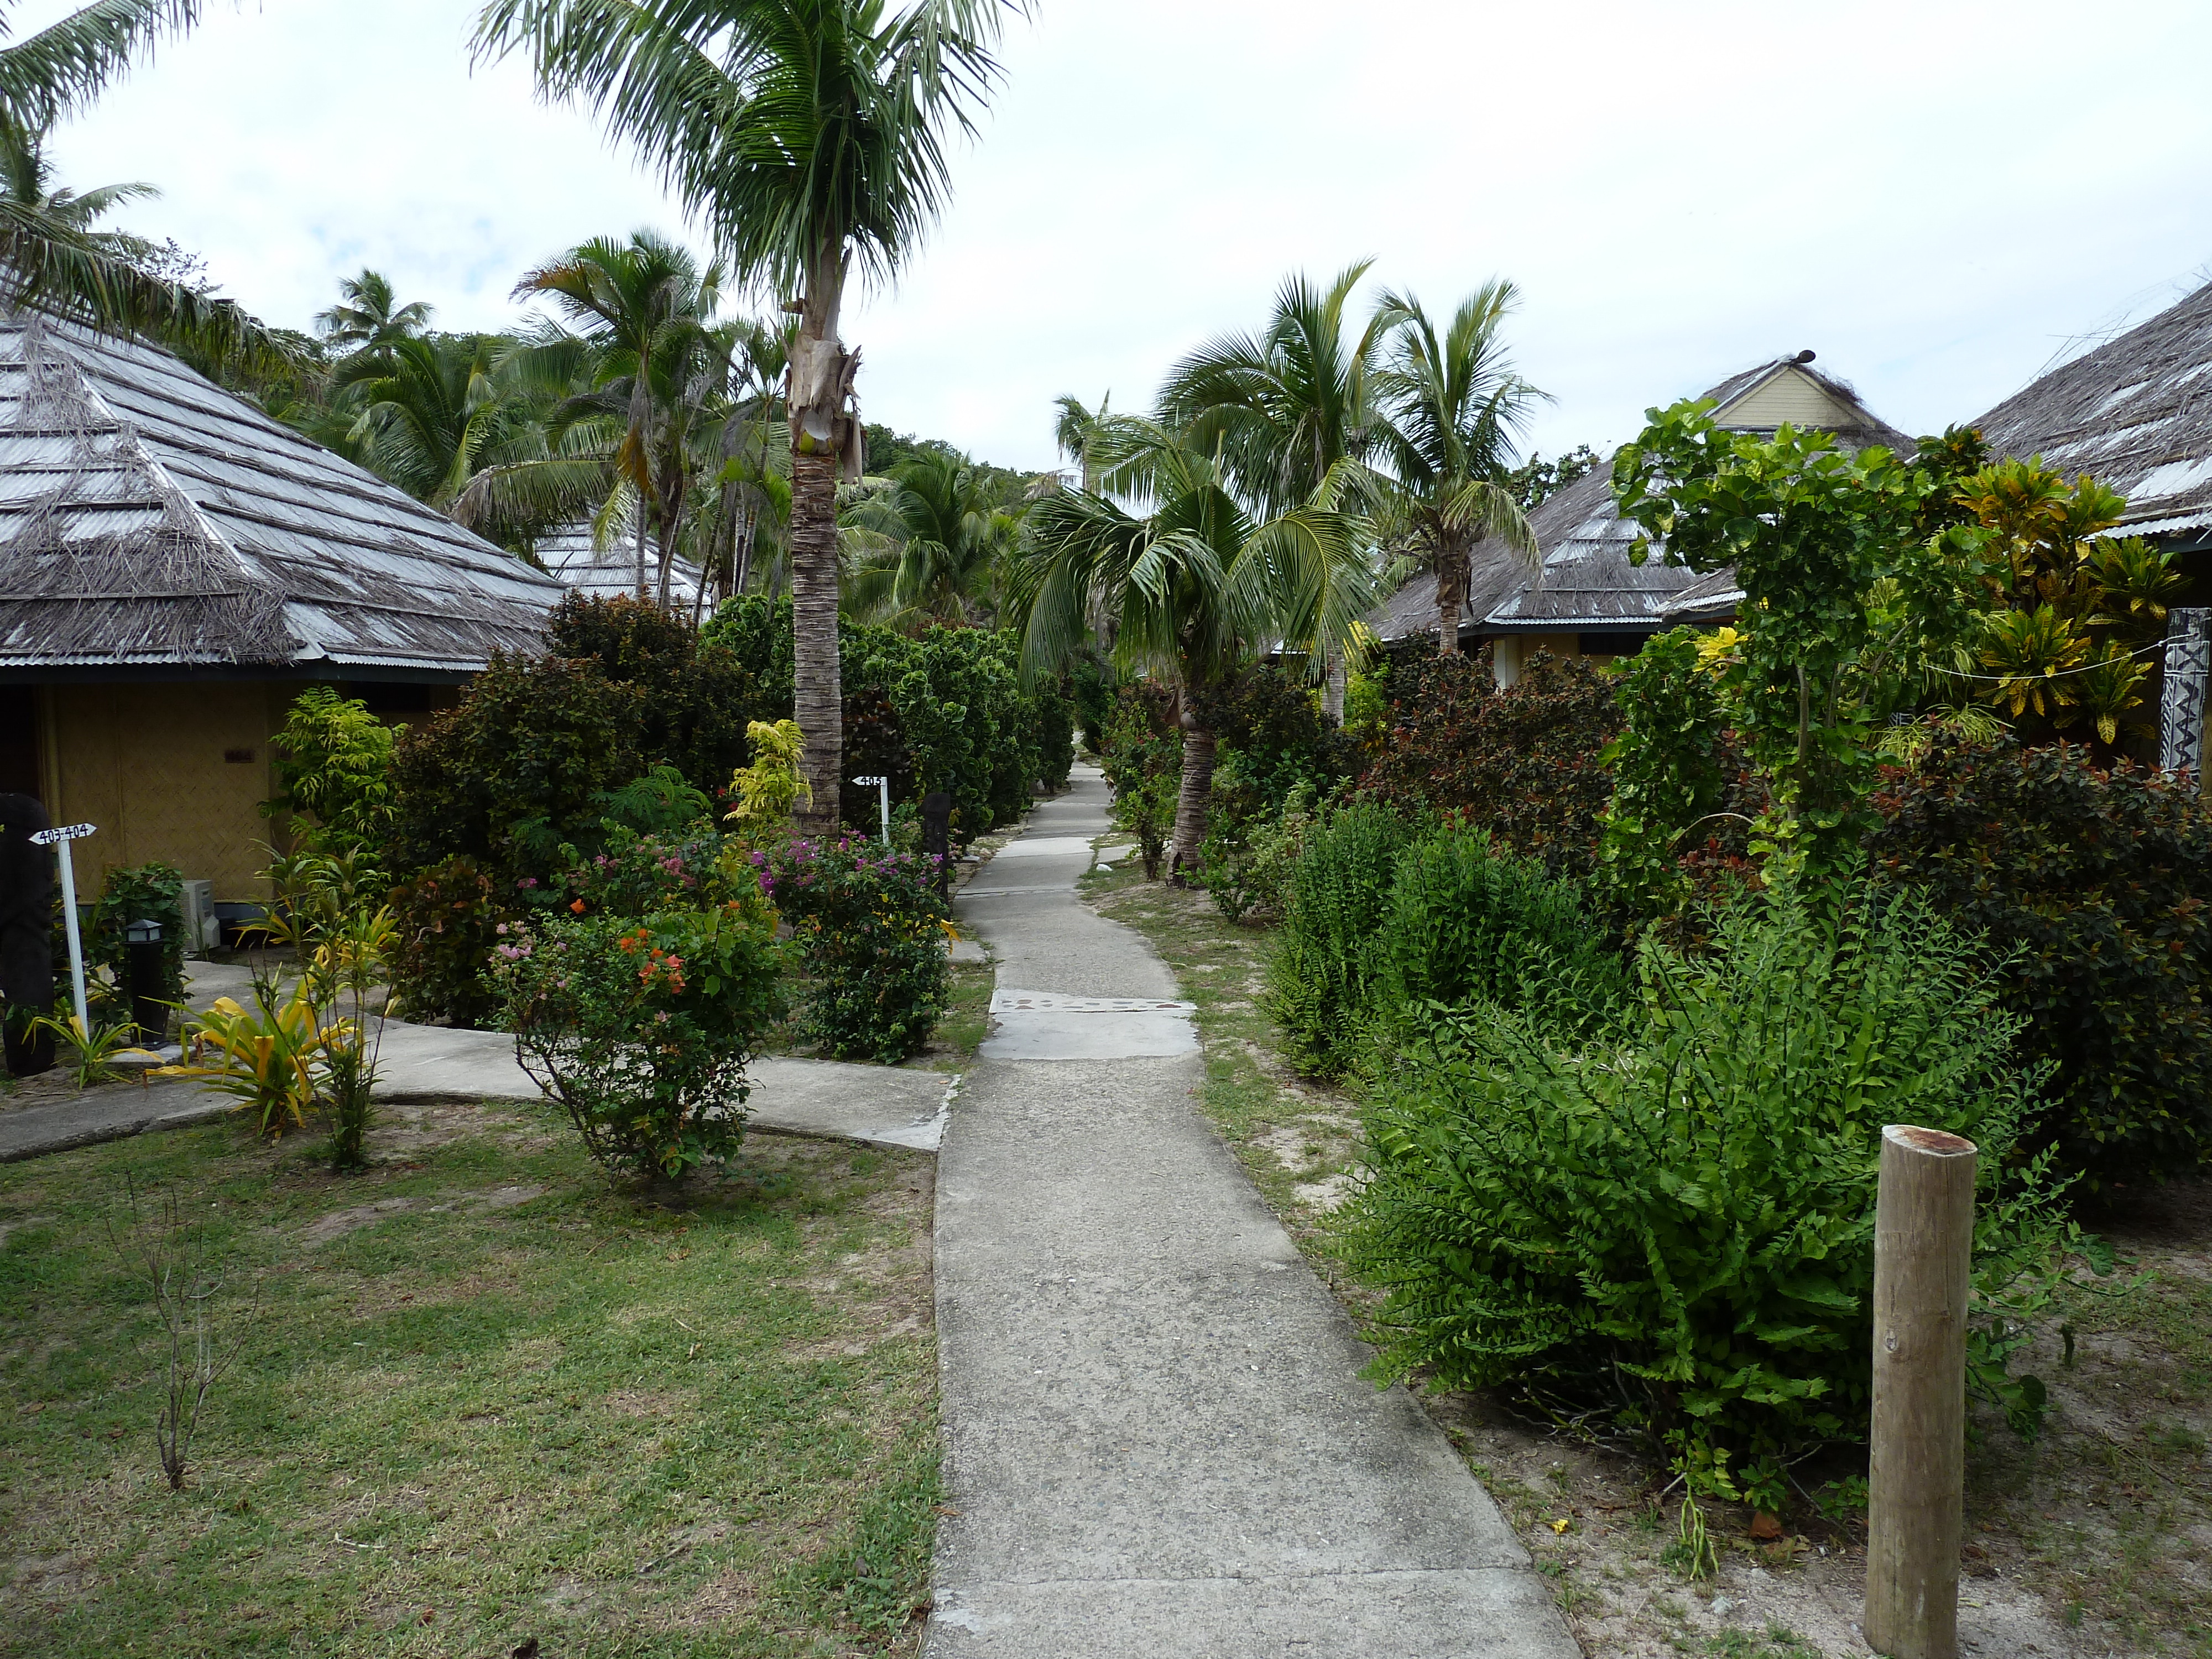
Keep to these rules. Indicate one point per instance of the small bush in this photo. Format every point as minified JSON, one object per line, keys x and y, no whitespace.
{"x":1143,"y":761}
{"x":333,"y":764}
{"x":1523,"y":763}
{"x":869,"y":924}
{"x":2098,"y":886}
{"x":1676,"y":1228}
{"x":641,"y":1028}
{"x":1339,"y":895}
{"x":448,"y":918}
{"x":152,"y":893}
{"x":1469,"y":923}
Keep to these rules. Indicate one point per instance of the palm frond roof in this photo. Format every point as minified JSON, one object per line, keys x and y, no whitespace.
{"x":2136,"y":414}
{"x":151,"y":522}
{"x":572,"y":555}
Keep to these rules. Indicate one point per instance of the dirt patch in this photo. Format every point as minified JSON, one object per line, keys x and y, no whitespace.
{"x":338,"y":1223}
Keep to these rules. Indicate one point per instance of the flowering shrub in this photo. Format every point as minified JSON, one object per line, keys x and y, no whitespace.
{"x":871,"y":928}
{"x":637,"y":874}
{"x":642,"y":1027}
{"x":448,"y":920}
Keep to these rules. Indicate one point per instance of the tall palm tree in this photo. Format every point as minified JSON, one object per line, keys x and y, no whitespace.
{"x":368,"y":316}
{"x":1290,"y":403}
{"x":810,"y":135}
{"x":1453,"y":404}
{"x":926,"y":548}
{"x":46,"y":261}
{"x":645,"y":308}
{"x":1193,"y":583}
{"x":1289,"y":407}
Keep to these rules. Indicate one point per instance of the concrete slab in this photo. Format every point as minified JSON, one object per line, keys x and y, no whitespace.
{"x":880,"y":1105}
{"x":1045,"y":1025}
{"x":1158,"y":1444}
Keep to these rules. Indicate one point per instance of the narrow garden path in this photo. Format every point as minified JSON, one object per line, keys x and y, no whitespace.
{"x":1159,"y":1443}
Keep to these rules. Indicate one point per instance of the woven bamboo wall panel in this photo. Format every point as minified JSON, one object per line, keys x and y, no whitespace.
{"x":148,"y":764}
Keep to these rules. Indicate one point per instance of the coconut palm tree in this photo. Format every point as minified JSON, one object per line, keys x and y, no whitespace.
{"x":50,"y":262}
{"x":1287,"y":408}
{"x":1192,"y":581}
{"x":1452,"y":404}
{"x":926,"y":547}
{"x":368,"y":316}
{"x":644,"y":310}
{"x":439,"y":415}
{"x":810,"y":135}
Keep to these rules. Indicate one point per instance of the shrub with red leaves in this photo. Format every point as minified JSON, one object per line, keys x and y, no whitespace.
{"x":1520,"y":762}
{"x":2098,"y":882}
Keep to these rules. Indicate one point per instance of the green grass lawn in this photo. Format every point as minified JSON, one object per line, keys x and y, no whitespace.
{"x":482,"y":1398}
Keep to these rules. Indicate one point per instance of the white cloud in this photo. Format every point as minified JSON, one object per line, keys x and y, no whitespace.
{"x":1935,"y":196}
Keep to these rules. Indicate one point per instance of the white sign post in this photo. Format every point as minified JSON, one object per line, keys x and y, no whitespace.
{"x":883,"y":794}
{"x":59,"y":840}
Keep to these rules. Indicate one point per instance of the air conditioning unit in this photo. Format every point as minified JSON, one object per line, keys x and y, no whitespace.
{"x":203,"y":931}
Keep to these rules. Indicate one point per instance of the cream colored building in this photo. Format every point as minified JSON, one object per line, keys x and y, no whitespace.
{"x":175,"y":566}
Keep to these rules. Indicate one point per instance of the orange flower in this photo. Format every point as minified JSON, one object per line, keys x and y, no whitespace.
{"x":578,"y":907}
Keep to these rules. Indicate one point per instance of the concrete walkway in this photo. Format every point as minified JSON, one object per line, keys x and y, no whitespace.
{"x":1158,"y":1444}
{"x":881,"y":1105}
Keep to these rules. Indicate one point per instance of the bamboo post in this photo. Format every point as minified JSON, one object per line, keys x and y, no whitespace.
{"x":1923,"y":1244}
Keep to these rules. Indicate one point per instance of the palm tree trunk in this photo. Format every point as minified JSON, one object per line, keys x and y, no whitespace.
{"x":1332,"y":690}
{"x":1451,"y":598}
{"x":1196,"y":795}
{"x":816,"y":703}
{"x":642,"y":590}
{"x":823,"y":434}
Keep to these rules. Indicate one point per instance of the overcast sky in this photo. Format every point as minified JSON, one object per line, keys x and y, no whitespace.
{"x":1937,"y":197}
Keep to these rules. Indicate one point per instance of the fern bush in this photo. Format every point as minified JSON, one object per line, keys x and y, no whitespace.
{"x":1340,"y":896}
{"x":1470,"y":922}
{"x":1675,"y":1225}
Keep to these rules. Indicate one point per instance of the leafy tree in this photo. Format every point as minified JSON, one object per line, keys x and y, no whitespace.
{"x":1453,"y":404}
{"x":810,"y":135}
{"x":1536,"y":480}
{"x":1846,"y":603}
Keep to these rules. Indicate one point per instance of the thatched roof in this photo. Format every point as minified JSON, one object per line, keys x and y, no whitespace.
{"x":611,"y":572}
{"x":151,"y":522}
{"x":2136,"y":413}
{"x":1587,"y":582}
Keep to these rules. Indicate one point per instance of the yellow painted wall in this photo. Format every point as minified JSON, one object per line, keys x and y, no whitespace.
{"x":146,"y":763}
{"x":1791,"y":396}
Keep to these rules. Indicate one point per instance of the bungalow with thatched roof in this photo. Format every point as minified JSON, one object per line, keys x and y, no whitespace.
{"x":175,"y":566}
{"x":1586,"y":598}
{"x":574,"y":554}
{"x":2136,"y":414}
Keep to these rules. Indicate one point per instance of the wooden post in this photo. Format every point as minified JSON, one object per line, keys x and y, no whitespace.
{"x":1923,"y":1236}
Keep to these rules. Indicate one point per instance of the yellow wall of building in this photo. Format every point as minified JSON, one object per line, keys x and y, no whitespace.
{"x":148,"y":764}
{"x":1791,"y":396}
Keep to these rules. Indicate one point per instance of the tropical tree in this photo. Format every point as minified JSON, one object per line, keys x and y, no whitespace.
{"x":439,"y":415}
{"x":1452,"y":404}
{"x":53,"y":259}
{"x":1192,"y":582}
{"x":644,"y":313}
{"x":926,"y":546}
{"x":368,"y":316}
{"x":1288,"y":409}
{"x":810,"y":135}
